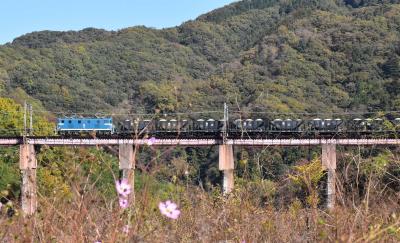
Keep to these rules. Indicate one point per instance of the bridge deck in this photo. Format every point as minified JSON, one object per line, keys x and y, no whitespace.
{"x":51,"y":141}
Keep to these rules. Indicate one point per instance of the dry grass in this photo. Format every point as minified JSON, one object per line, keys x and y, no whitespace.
{"x":258,"y":211}
{"x":204,"y":218}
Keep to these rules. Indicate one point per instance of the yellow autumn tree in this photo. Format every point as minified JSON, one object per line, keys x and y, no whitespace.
{"x":12,"y":120}
{"x":307,"y":177}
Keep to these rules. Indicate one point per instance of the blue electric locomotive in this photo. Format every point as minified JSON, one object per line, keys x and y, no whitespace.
{"x":85,"y":125}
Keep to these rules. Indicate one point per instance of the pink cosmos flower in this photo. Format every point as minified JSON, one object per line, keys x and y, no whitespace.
{"x":123,"y":202}
{"x":151,"y":141}
{"x":125,"y":229}
{"x":123,"y":187}
{"x":169,"y":209}
{"x":1,"y":205}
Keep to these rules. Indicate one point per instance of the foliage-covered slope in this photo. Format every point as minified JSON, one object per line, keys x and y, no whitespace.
{"x":263,"y":55}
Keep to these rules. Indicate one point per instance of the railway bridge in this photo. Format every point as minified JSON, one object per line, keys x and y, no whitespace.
{"x":28,"y":162}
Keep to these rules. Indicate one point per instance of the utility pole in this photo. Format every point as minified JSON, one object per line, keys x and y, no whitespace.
{"x":25,"y":108}
{"x":28,"y":165}
{"x":226,"y":159}
{"x":225,"y":127}
{"x":30,"y":120}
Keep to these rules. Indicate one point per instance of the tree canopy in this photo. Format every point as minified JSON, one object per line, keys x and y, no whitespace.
{"x":264,"y":55}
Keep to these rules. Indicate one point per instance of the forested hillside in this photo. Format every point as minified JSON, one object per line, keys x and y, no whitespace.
{"x":315,"y":56}
{"x":264,"y":55}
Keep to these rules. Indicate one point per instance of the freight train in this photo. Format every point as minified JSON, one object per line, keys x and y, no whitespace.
{"x":237,"y":128}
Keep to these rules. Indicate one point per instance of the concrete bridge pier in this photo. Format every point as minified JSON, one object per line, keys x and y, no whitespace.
{"x":28,"y":165}
{"x":226,"y":164}
{"x":127,"y":164}
{"x":329,"y":164}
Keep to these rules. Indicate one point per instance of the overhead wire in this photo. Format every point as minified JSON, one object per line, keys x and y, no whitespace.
{"x":125,"y":114}
{"x":313,"y":113}
{"x":108,"y":113}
